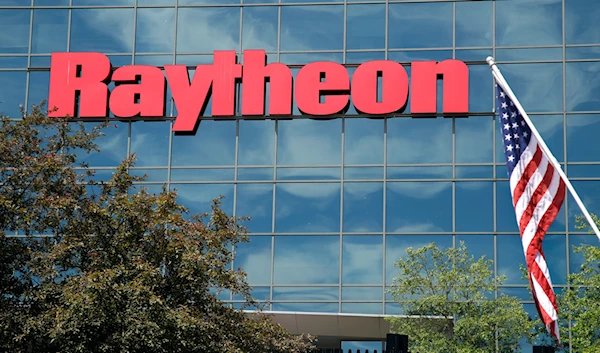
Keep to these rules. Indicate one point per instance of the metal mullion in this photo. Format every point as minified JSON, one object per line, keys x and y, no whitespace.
{"x":28,"y":75}
{"x":341,"y":215}
{"x":387,"y":31}
{"x":384,"y":226}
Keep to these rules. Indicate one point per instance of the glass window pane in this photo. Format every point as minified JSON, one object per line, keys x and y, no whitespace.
{"x":529,"y":54}
{"x":38,"y":88}
{"x":363,"y":173}
{"x":362,"y":260}
{"x":14,"y":31}
{"x":506,"y":220}
{"x":150,"y":142}
{"x":256,"y":201}
{"x":582,"y":83}
{"x":538,"y":86}
{"x":255,"y":173}
{"x":155,"y":30}
{"x":424,"y":25}
{"x":312,"y":27}
{"x":581,"y":129}
{"x":510,"y":258}
{"x":112,"y":146}
{"x":363,"y":141}
{"x":306,"y":293}
{"x":307,"y":307}
{"x":474,"y":207}
{"x":202,"y":174}
{"x":359,"y":36}
{"x":50,"y":29}
{"x":102,"y":30}
{"x":198,"y":197}
{"x":528,"y":22}
{"x":419,"y":207}
{"x":474,"y":23}
{"x":207,"y":29}
{"x":309,"y":142}
{"x":213,"y":144}
{"x":589,"y":192}
{"x":363,"y":207}
{"x":361,"y":57}
{"x":481,"y":85}
{"x":12,"y":92}
{"x":256,"y":142}
{"x":43,"y":2}
{"x":102,"y":2}
{"x":361,"y":293}
{"x":406,"y":143}
{"x":13,"y":62}
{"x":307,"y":260}
{"x":474,"y":140}
{"x":581,"y":22}
{"x":254,"y":257}
{"x":307,"y":207}
{"x":402,"y":173}
{"x":308,"y":173}
{"x":259,"y":29}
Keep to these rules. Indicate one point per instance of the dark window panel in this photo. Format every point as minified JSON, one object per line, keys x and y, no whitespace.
{"x":474,"y":172}
{"x":13,"y":62}
{"x":510,"y":258}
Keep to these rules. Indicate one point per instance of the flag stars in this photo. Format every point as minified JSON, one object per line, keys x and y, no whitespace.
{"x":504,"y":105}
{"x":516,"y":136}
{"x":505,"y":116}
{"x":509,"y":148}
{"x":506,"y":127}
{"x":515,"y":125}
{"x":507,"y":137}
{"x":511,"y":158}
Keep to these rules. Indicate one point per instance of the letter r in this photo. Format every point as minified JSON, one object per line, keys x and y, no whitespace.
{"x":83,"y":75}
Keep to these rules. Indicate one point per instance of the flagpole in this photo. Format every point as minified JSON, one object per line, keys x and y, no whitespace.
{"x":502,"y":82}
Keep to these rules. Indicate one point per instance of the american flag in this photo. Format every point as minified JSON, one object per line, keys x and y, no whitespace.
{"x":537,"y":194}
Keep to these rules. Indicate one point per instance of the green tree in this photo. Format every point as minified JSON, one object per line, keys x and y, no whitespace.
{"x":449,"y":298}
{"x":125,"y":270}
{"x":580,"y":303}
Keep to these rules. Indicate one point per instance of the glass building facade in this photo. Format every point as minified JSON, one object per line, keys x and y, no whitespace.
{"x":336,"y":201}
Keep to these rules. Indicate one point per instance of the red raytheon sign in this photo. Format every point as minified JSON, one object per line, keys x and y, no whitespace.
{"x":79,"y":83}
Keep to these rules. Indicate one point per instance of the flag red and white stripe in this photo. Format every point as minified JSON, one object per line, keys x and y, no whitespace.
{"x":538,"y":192}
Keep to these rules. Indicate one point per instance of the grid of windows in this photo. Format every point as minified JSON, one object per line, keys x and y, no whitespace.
{"x":335,"y":202}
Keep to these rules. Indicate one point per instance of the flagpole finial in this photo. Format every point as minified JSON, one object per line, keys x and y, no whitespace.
{"x":490,"y":60}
